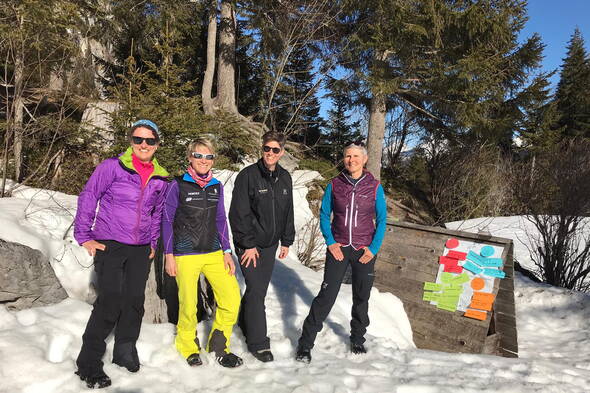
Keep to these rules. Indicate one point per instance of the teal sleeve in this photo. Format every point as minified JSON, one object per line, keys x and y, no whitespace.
{"x":381,"y":220}
{"x":325,"y":215}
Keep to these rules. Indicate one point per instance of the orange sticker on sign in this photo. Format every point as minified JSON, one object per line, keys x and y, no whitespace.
{"x":483,"y":297}
{"x":478,"y":283}
{"x":481,"y":305}
{"x":479,"y":315}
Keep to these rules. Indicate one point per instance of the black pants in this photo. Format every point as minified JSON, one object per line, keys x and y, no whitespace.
{"x":252,"y":318}
{"x":122,"y":271}
{"x":362,"y":282}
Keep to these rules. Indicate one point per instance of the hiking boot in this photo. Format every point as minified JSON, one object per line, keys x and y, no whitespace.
{"x":230,"y":360}
{"x":125,"y":355}
{"x":357,"y":349}
{"x":131,"y":367}
{"x":264,"y":355}
{"x":194,"y":360}
{"x":303,"y":355}
{"x":97,"y":380}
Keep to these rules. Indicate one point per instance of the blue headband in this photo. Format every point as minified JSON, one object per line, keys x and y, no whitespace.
{"x":146,"y":123}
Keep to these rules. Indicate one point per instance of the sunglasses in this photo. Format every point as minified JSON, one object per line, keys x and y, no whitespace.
{"x":137,"y":140}
{"x":275,"y":150}
{"x":198,"y":156}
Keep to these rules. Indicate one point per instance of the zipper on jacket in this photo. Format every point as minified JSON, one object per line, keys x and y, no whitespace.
{"x":346,"y":217}
{"x":356,"y":213}
{"x":352,"y":209}
{"x":139,"y":207}
{"x":274,"y":218}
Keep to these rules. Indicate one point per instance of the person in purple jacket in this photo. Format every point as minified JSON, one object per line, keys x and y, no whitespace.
{"x":196,"y":240}
{"x":121,"y":235}
{"x":357,"y":202}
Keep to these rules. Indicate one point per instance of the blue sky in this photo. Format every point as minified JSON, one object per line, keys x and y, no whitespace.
{"x":555,"y":21}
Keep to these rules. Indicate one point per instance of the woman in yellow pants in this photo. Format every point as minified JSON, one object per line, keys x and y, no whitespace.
{"x":195,"y":232}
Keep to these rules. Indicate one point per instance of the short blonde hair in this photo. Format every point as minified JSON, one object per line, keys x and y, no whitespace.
{"x":200,"y":141}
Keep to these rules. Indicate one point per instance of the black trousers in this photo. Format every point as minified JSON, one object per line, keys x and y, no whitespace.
{"x":362,"y":282}
{"x":122,"y":271}
{"x":252,"y":318}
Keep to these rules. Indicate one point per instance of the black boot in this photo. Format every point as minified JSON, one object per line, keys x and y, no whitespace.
{"x":97,"y":380}
{"x":131,"y":367}
{"x":125,"y":355}
{"x":357,"y":349}
{"x":194,"y":360}
{"x":303,"y":355}
{"x":230,"y":360}
{"x":264,"y":355}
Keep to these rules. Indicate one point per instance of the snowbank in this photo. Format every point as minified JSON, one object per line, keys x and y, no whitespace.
{"x":38,"y":346}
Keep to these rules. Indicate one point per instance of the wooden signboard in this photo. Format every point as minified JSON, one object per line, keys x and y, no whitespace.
{"x":409,"y":257}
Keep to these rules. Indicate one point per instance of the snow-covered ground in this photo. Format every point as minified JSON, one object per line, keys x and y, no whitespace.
{"x":38,"y":346}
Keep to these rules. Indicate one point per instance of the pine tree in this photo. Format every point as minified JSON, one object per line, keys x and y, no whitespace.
{"x":137,"y":29}
{"x":37,"y":49}
{"x":162,"y":91}
{"x":458,"y":64}
{"x":339,"y":131}
{"x":302,"y":107}
{"x":572,"y":98}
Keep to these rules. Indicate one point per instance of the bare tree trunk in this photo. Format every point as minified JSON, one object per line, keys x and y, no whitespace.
{"x":206,"y":94}
{"x":226,"y":88}
{"x":376,"y":133}
{"x":58,"y":170}
{"x":155,"y":308}
{"x":5,"y":161}
{"x":18,"y":113}
{"x":377,"y":113}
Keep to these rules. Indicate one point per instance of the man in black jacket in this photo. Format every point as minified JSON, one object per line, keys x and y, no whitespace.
{"x":261,"y":215}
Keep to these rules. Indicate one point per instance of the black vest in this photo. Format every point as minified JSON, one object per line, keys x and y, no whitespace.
{"x":195,"y":226}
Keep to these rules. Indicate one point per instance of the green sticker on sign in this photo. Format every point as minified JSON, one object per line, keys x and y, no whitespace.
{"x":432,"y":286}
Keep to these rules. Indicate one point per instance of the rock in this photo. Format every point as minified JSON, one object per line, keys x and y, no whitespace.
{"x":97,"y":118}
{"x":27,"y":278}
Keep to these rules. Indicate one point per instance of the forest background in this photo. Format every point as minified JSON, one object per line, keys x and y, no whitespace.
{"x":458,"y":116}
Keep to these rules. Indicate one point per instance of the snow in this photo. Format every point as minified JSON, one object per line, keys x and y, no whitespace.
{"x":517,"y":228}
{"x":38,"y":346}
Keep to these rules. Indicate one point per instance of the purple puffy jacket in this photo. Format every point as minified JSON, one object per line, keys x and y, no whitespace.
{"x":128,"y":213}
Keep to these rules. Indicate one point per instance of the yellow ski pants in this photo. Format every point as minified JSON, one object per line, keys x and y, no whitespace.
{"x":227,"y":297}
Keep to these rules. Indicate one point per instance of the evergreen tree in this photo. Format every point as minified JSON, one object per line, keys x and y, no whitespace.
{"x":249,"y":72}
{"x":302,"y":107}
{"x":457,"y":63}
{"x":138,"y":29}
{"x":162,"y":91}
{"x":287,"y":49}
{"x":38,"y":54}
{"x":572,"y":98}
{"x":339,"y":131}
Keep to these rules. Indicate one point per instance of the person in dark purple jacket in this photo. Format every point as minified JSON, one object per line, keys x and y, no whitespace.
{"x":354,"y":236}
{"x":122,"y":235}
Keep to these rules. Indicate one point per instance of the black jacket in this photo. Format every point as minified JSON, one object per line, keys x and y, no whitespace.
{"x":261,"y":211}
{"x":195,"y":225}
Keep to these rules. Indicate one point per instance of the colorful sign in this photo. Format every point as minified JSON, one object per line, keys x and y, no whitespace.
{"x":465,"y":280}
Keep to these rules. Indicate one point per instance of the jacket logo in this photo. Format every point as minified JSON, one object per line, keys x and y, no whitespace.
{"x":215,"y":190}
{"x":263,"y":191}
{"x":188,"y":199}
{"x":285,"y":191}
{"x":194,"y":193}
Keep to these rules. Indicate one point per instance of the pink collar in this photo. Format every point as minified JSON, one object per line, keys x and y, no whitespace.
{"x":145,"y":169}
